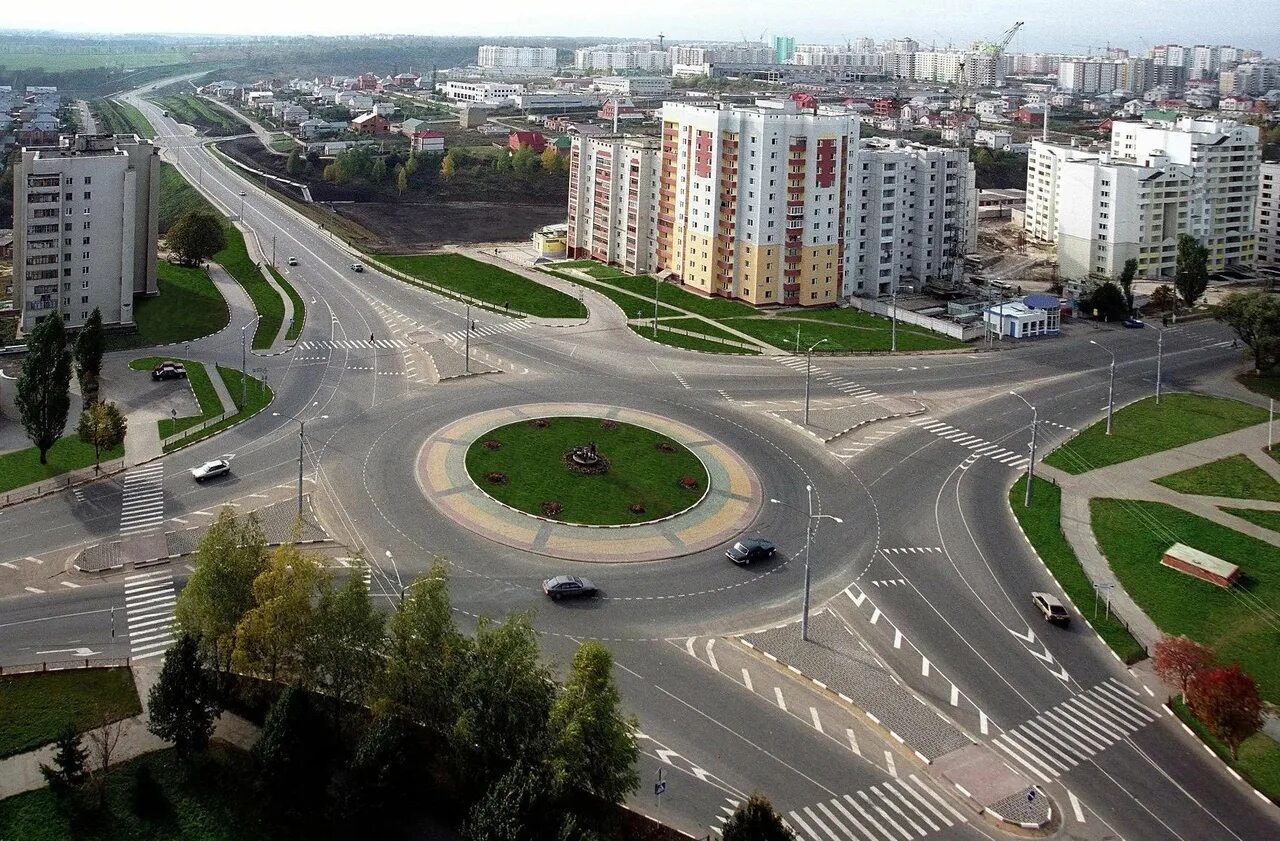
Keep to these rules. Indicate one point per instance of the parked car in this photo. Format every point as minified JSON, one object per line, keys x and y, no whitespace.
{"x":1052,"y":609}
{"x":169,"y":371}
{"x":210,"y":469}
{"x":1134,"y":322}
{"x":752,"y":549}
{"x":293,"y":261}
{"x":567,"y":586}
{"x":356,"y":267}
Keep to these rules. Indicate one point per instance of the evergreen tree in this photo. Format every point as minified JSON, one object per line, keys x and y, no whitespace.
{"x":90,"y":345}
{"x":42,"y":393}
{"x":183,"y":704}
{"x":1125,"y":281}
{"x":1192,"y":272}
{"x":69,"y":770}
{"x":290,"y":752}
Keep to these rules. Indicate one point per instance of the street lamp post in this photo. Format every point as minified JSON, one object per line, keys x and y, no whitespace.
{"x":244,"y":363}
{"x":1031,"y":465}
{"x":1159,"y":359}
{"x":656,"y":281}
{"x":467,"y":341}
{"x":1111,"y":387}
{"x":302,"y":450}
{"x":241,"y":216}
{"x":893,"y":326}
{"x":808,"y":537}
{"x":273,"y":251}
{"x":808,"y":367}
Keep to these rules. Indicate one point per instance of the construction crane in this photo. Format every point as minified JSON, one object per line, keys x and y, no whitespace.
{"x":1008,"y":36}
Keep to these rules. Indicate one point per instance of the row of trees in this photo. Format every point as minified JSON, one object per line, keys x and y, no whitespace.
{"x":43,"y":390}
{"x":1113,"y":300}
{"x":1224,"y":698}
{"x":519,"y":746}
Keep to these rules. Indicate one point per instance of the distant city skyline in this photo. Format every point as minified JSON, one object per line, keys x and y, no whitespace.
{"x":1050,"y":26}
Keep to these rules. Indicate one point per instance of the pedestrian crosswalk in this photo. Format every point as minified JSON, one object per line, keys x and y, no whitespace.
{"x":1060,"y":738}
{"x":142,"y":503}
{"x":353,"y":344}
{"x":488,"y":330}
{"x":149,"y":600}
{"x":843,"y":384}
{"x":976,"y":444}
{"x":898,"y":809}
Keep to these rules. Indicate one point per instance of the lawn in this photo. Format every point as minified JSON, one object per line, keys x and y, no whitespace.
{"x":34,"y":707}
{"x":138,"y":124}
{"x":1143,"y":428}
{"x":1042,"y":523}
{"x":188,"y":307}
{"x":299,"y":306}
{"x":22,"y":467}
{"x":493,"y":285}
{"x":1265,"y":519}
{"x":781,"y":333}
{"x":260,"y":396}
{"x":629,"y":304}
{"x":1259,"y":761}
{"x":1237,"y":623}
{"x":235,"y":259}
{"x":533,"y":460}
{"x":679,"y":340}
{"x":212,"y":800}
{"x":1234,"y":476}
{"x":670,"y":293}
{"x":198,"y":379}
{"x":1268,"y":385}
{"x":61,"y":57}
{"x":178,"y":197}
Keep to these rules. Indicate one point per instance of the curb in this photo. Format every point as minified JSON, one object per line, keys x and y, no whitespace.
{"x":150,"y":562}
{"x":859,"y":424}
{"x":219,"y":432}
{"x":1264,"y":798}
{"x":85,"y":481}
{"x":1019,"y":824}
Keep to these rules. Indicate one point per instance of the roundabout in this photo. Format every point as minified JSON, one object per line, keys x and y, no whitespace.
{"x":695,"y":492}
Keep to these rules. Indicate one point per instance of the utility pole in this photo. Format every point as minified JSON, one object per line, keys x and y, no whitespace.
{"x":893,"y":328}
{"x":808,"y":539}
{"x":656,"y":281}
{"x":302,"y":449}
{"x":1031,"y":465}
{"x":273,"y":251}
{"x":1111,"y":388}
{"x":808,"y":368}
{"x":467,"y":339}
{"x":1159,"y":359}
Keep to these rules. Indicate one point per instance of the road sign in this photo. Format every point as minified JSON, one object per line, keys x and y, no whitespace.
{"x":1031,"y":795}
{"x":659,"y":787}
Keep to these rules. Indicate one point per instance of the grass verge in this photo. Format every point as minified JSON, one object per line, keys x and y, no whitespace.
{"x":1268,"y":385}
{"x":1143,"y":428}
{"x":138,"y":124}
{"x":34,"y":707}
{"x":188,"y":307}
{"x":1042,"y":523}
{"x":629,"y":304}
{"x":493,"y":285}
{"x":201,"y":386}
{"x":259,"y":394}
{"x":178,"y":197}
{"x":235,"y":259}
{"x":22,"y":467}
{"x":782,"y":332}
{"x":1234,"y":476}
{"x":299,"y":307}
{"x":1259,"y":761}
{"x":532,"y":459}
{"x":679,"y":340}
{"x":1264,"y":519}
{"x":1236,"y":622}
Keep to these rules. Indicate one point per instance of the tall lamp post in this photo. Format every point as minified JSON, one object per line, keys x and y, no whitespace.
{"x":244,"y":362}
{"x":1159,"y":358}
{"x":241,"y":216}
{"x":808,"y":537}
{"x":808,"y":368}
{"x":1031,"y":465}
{"x":302,"y":449}
{"x":893,"y":325}
{"x":1111,"y":388}
{"x":467,"y":341}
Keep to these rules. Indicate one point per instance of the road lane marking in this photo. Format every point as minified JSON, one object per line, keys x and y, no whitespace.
{"x":888,"y":764}
{"x":817,"y":722}
{"x":782,"y":702}
{"x":746,"y":680}
{"x":853,"y":741}
{"x":1075,"y":806}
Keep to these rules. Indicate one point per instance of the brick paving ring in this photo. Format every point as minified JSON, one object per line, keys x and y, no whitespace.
{"x":730,"y":504}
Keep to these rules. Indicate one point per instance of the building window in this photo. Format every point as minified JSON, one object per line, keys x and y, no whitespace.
{"x":84,"y":284}
{"x":84,"y":299}
{"x":84,"y":270}
{"x":88,"y":179}
{"x":88,"y":196}
{"x":86,"y":226}
{"x":86,"y":241}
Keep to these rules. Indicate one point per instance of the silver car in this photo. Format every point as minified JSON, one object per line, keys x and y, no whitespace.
{"x":210,"y":469}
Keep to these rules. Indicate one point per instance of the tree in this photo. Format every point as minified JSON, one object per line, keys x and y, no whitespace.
{"x":549,"y":158}
{"x":1108,"y":302}
{"x":523,"y":160}
{"x":411,"y":165}
{"x":103,"y":427}
{"x":1125,"y":282}
{"x":69,"y":769}
{"x":1226,"y":700}
{"x":294,"y":163}
{"x":448,"y":167}
{"x":505,"y":701}
{"x":1255,"y":317}
{"x":1177,"y":659}
{"x":196,"y":236}
{"x":516,"y":807}
{"x":367,"y":788}
{"x":378,"y":172}
{"x":595,"y":746}
{"x":271,"y":637}
{"x":402,"y":179}
{"x":1163,"y":298}
{"x":756,"y":820}
{"x":290,"y":751}
{"x":183,"y":703}
{"x":42,"y":392}
{"x":1192,"y":273}
{"x":90,"y":345}
{"x":103,"y":741}
{"x":231,"y":555}
{"x":345,"y":652}
{"x":331,"y":172}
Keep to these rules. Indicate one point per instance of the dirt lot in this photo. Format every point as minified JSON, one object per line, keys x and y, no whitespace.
{"x":414,"y":228}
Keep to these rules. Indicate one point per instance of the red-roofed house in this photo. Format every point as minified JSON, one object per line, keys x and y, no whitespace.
{"x":425,"y":140}
{"x":371,"y":124}
{"x":519,"y":139}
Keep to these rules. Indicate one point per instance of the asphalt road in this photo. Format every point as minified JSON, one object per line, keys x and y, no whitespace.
{"x":717,"y":725}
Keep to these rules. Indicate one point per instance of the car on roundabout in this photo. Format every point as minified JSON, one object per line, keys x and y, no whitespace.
{"x":750,"y":549}
{"x":293,"y":261}
{"x":567,"y":587}
{"x":211,"y":469}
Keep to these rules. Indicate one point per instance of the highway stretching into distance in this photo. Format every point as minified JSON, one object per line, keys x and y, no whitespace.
{"x":927,"y":532}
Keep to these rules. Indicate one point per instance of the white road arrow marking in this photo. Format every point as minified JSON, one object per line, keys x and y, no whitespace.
{"x":79,"y":652}
{"x":1029,"y":636}
{"x":665,"y":755}
{"x":1046,"y":656}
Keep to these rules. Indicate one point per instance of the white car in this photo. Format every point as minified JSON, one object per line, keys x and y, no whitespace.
{"x":293,"y":261}
{"x":210,"y":469}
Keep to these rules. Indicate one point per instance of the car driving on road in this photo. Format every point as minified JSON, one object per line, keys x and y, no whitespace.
{"x":567,"y":586}
{"x":357,"y":267}
{"x":210,"y":469}
{"x":752,"y":549}
{"x":1052,"y":609}
{"x":293,"y":261}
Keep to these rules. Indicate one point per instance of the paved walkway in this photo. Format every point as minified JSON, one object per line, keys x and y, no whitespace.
{"x":1133,"y":480}
{"x":22,"y":772}
{"x":258,"y":253}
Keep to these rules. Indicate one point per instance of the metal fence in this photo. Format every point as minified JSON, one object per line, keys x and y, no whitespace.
{"x":706,"y":337}
{"x":64,"y":665}
{"x":198,"y":428}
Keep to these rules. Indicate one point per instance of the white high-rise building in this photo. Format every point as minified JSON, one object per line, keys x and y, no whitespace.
{"x":1088,"y":76}
{"x":613,"y":188}
{"x":1043,"y":164}
{"x":498,"y":56}
{"x":612,"y":57}
{"x":1268,"y":217}
{"x":85,"y":228}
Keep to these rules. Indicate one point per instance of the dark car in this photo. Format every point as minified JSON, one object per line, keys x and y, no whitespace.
{"x":1052,"y":609}
{"x":357,"y":267}
{"x":567,"y":586}
{"x":169,"y":371}
{"x":1134,"y":322}
{"x":293,"y":261}
{"x":751,"y":549}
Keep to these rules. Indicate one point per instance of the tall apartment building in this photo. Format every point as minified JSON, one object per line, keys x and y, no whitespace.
{"x":771,"y":204}
{"x":820,"y":55}
{"x":784,"y":47}
{"x":498,"y":56}
{"x":732,"y":53}
{"x":1043,"y":164}
{"x":1088,"y":76}
{"x":85,"y":228}
{"x":1032,"y":64}
{"x":611,"y":57}
{"x":1268,"y":218}
{"x":916,"y":213}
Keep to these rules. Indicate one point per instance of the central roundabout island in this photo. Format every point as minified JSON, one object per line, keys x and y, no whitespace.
{"x":587,"y":482}
{"x":587,"y":471}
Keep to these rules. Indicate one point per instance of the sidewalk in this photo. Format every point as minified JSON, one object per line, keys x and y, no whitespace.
{"x":22,"y":772}
{"x":258,"y":254}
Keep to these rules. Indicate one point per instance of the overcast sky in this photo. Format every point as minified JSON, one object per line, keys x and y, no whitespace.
{"x":1050,"y":24}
